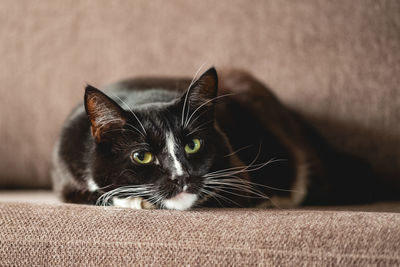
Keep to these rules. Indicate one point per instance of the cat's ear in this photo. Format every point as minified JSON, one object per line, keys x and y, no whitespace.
{"x":104,"y":114}
{"x":204,"y":89}
{"x":199,"y":98}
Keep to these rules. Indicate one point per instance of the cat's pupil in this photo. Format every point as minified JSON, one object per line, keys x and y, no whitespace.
{"x":140,"y":155}
{"x":191,"y":145}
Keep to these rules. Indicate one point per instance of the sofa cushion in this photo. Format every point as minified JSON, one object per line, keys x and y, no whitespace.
{"x":337,"y":61}
{"x":49,"y":197}
{"x":45,"y":234}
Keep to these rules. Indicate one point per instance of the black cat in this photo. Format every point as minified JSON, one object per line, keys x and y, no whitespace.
{"x":177,"y":144}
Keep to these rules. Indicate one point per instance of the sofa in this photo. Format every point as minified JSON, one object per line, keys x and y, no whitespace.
{"x":335,"y":62}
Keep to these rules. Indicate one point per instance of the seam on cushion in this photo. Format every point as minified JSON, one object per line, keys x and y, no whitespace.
{"x":320,"y":253}
{"x":68,"y":207}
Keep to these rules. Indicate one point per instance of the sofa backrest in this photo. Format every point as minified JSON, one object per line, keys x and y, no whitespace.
{"x":337,"y":62}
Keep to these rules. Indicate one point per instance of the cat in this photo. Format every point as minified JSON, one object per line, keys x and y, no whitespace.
{"x":216,"y":141}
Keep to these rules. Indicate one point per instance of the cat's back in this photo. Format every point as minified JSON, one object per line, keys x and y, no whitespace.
{"x":145,"y":90}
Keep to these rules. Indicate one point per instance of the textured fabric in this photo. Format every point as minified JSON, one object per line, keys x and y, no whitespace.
{"x":49,"y":197}
{"x":79,"y":235}
{"x":30,"y":196}
{"x":336,"y":61}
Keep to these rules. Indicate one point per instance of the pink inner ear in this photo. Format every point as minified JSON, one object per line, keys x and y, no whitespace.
{"x":103,"y":116}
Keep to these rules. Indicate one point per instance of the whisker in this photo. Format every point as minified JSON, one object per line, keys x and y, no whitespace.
{"x":211,"y":194}
{"x":238,"y":150}
{"x":104,"y":187}
{"x":255,"y":184}
{"x":154,"y":199}
{"x":187,"y":94}
{"x":242,"y":185}
{"x":133,"y":113}
{"x":215,"y":194}
{"x":199,"y":127}
{"x":125,"y":191}
{"x":159,"y":200}
{"x":197,"y":130}
{"x":202,"y":105}
{"x":221,"y":188}
{"x":135,"y":186}
{"x":241,"y":169}
{"x":234,"y":170}
{"x":135,"y":128}
{"x":199,"y":116}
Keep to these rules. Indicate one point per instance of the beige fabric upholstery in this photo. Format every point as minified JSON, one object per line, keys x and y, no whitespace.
{"x":79,"y":235}
{"x":337,"y":61}
{"x":29,"y":196}
{"x":49,"y":197}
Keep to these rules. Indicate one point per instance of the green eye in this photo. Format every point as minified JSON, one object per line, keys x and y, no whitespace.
{"x":193,"y":146}
{"x":142,"y":157}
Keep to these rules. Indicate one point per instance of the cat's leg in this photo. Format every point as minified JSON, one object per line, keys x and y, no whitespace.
{"x":71,"y":194}
{"x":137,"y":203}
{"x":87,"y":197}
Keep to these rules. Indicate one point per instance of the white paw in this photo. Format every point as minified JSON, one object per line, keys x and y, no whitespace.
{"x":137,"y":203}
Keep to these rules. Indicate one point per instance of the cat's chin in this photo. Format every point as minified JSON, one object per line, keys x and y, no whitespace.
{"x":181,"y":201}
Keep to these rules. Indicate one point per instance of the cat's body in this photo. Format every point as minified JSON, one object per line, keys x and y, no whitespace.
{"x":253,"y":148}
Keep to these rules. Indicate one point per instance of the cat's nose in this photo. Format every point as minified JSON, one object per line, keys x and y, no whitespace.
{"x":181,"y":180}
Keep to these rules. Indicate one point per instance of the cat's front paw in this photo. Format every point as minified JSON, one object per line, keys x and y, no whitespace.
{"x":137,"y":203}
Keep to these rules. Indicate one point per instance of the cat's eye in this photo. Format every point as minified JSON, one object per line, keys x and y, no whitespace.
{"x":142,"y":157}
{"x":193,"y":146}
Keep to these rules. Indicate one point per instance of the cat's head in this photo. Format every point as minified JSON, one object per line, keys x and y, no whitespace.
{"x":162,"y":152}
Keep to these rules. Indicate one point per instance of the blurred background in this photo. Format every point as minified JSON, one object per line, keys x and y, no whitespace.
{"x":336,"y":62}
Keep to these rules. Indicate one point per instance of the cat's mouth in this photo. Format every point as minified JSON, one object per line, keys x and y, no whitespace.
{"x":181,"y":196}
{"x":181,"y":201}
